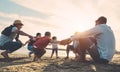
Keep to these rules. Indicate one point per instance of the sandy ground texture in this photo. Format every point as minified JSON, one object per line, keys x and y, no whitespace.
{"x":22,"y":63}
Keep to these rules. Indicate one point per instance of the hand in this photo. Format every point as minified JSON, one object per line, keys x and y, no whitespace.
{"x":65,"y":41}
{"x":23,"y":44}
{"x":31,"y":37}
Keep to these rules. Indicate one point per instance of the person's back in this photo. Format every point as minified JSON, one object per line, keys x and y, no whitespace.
{"x":106,"y":42}
{"x":4,"y":38}
{"x":42,"y":42}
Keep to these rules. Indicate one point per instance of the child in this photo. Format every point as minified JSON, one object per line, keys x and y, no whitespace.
{"x":54,"y":43}
{"x":73,"y":47}
{"x":30,"y":43}
{"x":40,"y":45}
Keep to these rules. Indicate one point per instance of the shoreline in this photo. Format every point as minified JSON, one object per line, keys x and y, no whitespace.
{"x":22,"y":63}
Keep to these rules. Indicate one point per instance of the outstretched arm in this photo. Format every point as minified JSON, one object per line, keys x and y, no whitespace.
{"x":65,"y":41}
{"x":26,"y":42}
{"x":25,"y":34}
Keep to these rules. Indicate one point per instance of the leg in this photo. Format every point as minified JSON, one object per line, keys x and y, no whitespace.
{"x":68,"y":49}
{"x":10,"y":47}
{"x":35,"y":58}
{"x":30,"y":53}
{"x":93,"y":51}
{"x":52,"y":53}
{"x":5,"y":54}
{"x":42,"y":52}
{"x":30,"y":48}
{"x":56,"y":50}
{"x":81,"y":50}
{"x":1,"y":48}
{"x":36,"y":51}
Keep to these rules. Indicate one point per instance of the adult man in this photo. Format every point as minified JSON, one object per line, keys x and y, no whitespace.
{"x":103,"y":50}
{"x":6,"y":38}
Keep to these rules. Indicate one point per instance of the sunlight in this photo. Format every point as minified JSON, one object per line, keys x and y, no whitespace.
{"x":81,"y":27}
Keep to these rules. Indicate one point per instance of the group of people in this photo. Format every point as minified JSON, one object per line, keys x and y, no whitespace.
{"x":98,"y":41}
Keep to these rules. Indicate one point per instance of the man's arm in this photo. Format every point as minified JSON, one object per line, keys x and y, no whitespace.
{"x":92,"y":32}
{"x":25,"y":34}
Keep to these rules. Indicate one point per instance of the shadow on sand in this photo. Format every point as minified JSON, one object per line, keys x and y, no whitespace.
{"x":14,"y":61}
{"x":73,"y":66}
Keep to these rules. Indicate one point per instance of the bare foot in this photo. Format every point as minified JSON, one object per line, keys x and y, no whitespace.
{"x":5,"y":55}
{"x":29,"y":55}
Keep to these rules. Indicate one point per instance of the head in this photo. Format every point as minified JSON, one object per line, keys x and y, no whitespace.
{"x":38,"y":34}
{"x":18,"y":24}
{"x":101,"y":20}
{"x":48,"y":34}
{"x":54,"y":38}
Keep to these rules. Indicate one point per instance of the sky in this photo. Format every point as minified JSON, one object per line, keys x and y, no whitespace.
{"x":61,"y":17}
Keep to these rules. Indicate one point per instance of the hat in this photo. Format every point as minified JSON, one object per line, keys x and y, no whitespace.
{"x":17,"y":22}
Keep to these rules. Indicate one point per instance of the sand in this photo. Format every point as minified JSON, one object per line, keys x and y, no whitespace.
{"x":22,"y":63}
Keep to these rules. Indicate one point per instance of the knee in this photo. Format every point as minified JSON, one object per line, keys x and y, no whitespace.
{"x":44,"y":51}
{"x":18,"y":44}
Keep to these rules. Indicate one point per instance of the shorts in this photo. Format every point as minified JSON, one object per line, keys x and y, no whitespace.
{"x":12,"y":46}
{"x":30,"y":48}
{"x":39,"y":52}
{"x":70,"y":47}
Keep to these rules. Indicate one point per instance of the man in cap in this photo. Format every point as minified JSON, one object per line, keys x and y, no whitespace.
{"x":7,"y":37}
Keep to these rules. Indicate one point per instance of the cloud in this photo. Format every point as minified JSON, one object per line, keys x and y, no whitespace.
{"x":45,"y":6}
{"x":31,"y":24}
{"x":70,"y":15}
{"x":33,"y":20}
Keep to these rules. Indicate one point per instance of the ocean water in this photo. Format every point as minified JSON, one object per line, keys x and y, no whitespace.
{"x":61,"y":51}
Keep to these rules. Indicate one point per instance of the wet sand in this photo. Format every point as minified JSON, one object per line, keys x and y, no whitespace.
{"x":22,"y":63}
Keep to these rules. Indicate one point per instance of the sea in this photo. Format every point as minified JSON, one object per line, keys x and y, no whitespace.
{"x":61,"y":51}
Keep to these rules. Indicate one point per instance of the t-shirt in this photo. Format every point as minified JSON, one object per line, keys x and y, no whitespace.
{"x":54,"y":44}
{"x":42,"y":42}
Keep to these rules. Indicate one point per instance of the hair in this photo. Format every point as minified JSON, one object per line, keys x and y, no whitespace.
{"x":47,"y":34}
{"x":17,"y":24}
{"x":37,"y":34}
{"x":54,"y":37}
{"x":102,"y":19}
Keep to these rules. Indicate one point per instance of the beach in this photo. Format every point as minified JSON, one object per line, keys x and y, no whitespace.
{"x":22,"y":63}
